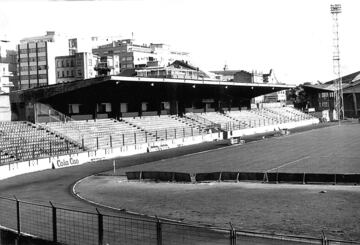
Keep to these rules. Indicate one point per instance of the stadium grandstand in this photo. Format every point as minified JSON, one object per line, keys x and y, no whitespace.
{"x":117,"y":111}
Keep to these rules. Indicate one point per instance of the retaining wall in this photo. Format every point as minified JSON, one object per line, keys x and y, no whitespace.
{"x":17,"y":168}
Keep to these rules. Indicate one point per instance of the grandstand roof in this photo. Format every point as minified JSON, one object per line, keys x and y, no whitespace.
{"x":349,"y":81}
{"x":37,"y":94}
{"x":348,"y":78}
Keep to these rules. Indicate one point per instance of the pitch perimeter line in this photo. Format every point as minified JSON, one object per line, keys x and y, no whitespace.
{"x":288,"y":163}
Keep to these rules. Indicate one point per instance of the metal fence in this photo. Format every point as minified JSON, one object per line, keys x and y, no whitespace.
{"x":61,"y":225}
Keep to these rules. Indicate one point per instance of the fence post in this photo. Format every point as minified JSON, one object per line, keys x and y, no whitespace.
{"x":18,"y":216}
{"x":54,"y":222}
{"x":82,"y":143}
{"x":232,"y":235}
{"x":146,"y":137}
{"x":158,"y":232}
{"x":111,"y":141}
{"x":97,"y":142}
{"x":166,"y":134}
{"x":100,"y":227}
{"x":175,"y":132}
{"x":135,"y":138}
{"x":323,"y":238}
{"x":123,"y":138}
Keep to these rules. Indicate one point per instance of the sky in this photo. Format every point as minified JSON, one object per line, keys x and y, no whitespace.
{"x":294,"y":38}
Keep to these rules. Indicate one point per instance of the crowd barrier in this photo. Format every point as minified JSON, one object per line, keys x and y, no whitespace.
{"x":62,"y":161}
{"x":158,"y":176}
{"x":268,"y":177}
{"x":23,"y":222}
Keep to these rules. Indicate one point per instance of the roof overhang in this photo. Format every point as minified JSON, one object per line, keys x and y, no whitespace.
{"x":37,"y":94}
{"x":200,"y":81}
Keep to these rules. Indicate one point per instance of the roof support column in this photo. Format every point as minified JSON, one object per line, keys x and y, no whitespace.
{"x":355,"y":104}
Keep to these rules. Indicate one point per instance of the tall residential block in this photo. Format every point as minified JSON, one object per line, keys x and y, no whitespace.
{"x":36,"y":57}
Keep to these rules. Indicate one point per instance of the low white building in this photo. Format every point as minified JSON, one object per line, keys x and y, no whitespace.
{"x":5,"y":84}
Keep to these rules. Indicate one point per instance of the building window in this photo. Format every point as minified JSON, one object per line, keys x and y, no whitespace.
{"x":42,"y":58}
{"x":123,"y":107}
{"x":74,"y":108}
{"x":72,"y":73}
{"x":63,"y":74}
{"x":79,"y":73}
{"x":58,"y":74}
{"x":62,"y":63}
{"x":67,"y":73}
{"x":104,"y":107}
{"x":23,"y":51}
{"x":24,"y":68}
{"x":72,"y":63}
{"x":144,"y":106}
{"x":67,"y":63}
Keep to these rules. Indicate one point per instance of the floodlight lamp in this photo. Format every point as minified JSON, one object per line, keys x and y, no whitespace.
{"x":335,"y":8}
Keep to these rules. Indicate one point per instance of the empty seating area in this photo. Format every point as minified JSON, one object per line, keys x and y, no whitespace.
{"x":250,"y":118}
{"x":224,"y":121}
{"x":166,"y":126}
{"x":101,"y":133}
{"x":291,"y":113}
{"x":26,"y":141}
{"x":233,"y":120}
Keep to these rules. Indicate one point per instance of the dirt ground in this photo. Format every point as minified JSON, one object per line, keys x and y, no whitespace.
{"x":284,"y":209}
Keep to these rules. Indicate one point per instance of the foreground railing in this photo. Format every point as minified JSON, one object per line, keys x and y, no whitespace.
{"x":63,"y":225}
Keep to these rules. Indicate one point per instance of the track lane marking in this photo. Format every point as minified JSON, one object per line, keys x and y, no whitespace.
{"x":288,"y":163}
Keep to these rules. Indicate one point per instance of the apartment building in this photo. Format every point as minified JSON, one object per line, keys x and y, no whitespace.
{"x":8,"y":55}
{"x":75,"y":67}
{"x":36,"y":57}
{"x":135,"y":56}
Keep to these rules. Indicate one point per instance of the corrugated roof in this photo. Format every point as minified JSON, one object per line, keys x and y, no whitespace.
{"x":348,"y":78}
{"x":228,"y":72}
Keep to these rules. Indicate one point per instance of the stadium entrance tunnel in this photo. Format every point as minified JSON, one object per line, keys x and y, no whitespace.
{"x":264,"y":177}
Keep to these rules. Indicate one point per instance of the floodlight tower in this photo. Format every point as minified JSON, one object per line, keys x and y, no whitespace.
{"x":335,"y":9}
